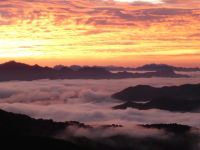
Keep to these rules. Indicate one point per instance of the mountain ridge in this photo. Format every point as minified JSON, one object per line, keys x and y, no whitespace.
{"x":147,"y":92}
{"x":13,"y":70}
{"x":183,"y":98}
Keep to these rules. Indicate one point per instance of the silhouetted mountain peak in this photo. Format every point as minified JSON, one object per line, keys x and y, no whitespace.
{"x":11,"y":62}
{"x":13,"y":65}
{"x":157,"y":67}
{"x":36,"y":66}
{"x":164,"y":67}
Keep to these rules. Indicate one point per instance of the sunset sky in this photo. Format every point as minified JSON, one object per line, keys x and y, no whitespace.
{"x":100,"y":32}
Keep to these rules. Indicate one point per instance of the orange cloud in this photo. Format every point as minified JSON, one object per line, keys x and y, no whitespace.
{"x":105,"y":31}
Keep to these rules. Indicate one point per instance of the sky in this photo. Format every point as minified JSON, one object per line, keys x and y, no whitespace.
{"x":100,"y":32}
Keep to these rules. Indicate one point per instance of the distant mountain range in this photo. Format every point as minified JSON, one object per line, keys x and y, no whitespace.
{"x":152,"y":67}
{"x":147,"y":67}
{"x":21,"y":131}
{"x":184,"y":98}
{"x":19,"y":71}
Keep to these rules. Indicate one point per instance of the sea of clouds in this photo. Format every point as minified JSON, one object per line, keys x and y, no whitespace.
{"x":87,"y":101}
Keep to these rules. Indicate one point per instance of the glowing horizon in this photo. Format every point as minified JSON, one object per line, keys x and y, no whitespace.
{"x":100,"y":32}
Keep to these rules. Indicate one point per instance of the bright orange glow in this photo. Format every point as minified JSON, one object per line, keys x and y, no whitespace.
{"x":100,"y":32}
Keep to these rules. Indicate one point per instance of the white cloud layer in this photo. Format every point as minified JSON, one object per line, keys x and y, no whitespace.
{"x":87,"y":101}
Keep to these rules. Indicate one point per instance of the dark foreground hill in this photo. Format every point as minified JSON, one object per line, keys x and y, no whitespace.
{"x":18,"y":71}
{"x":20,"y":131}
